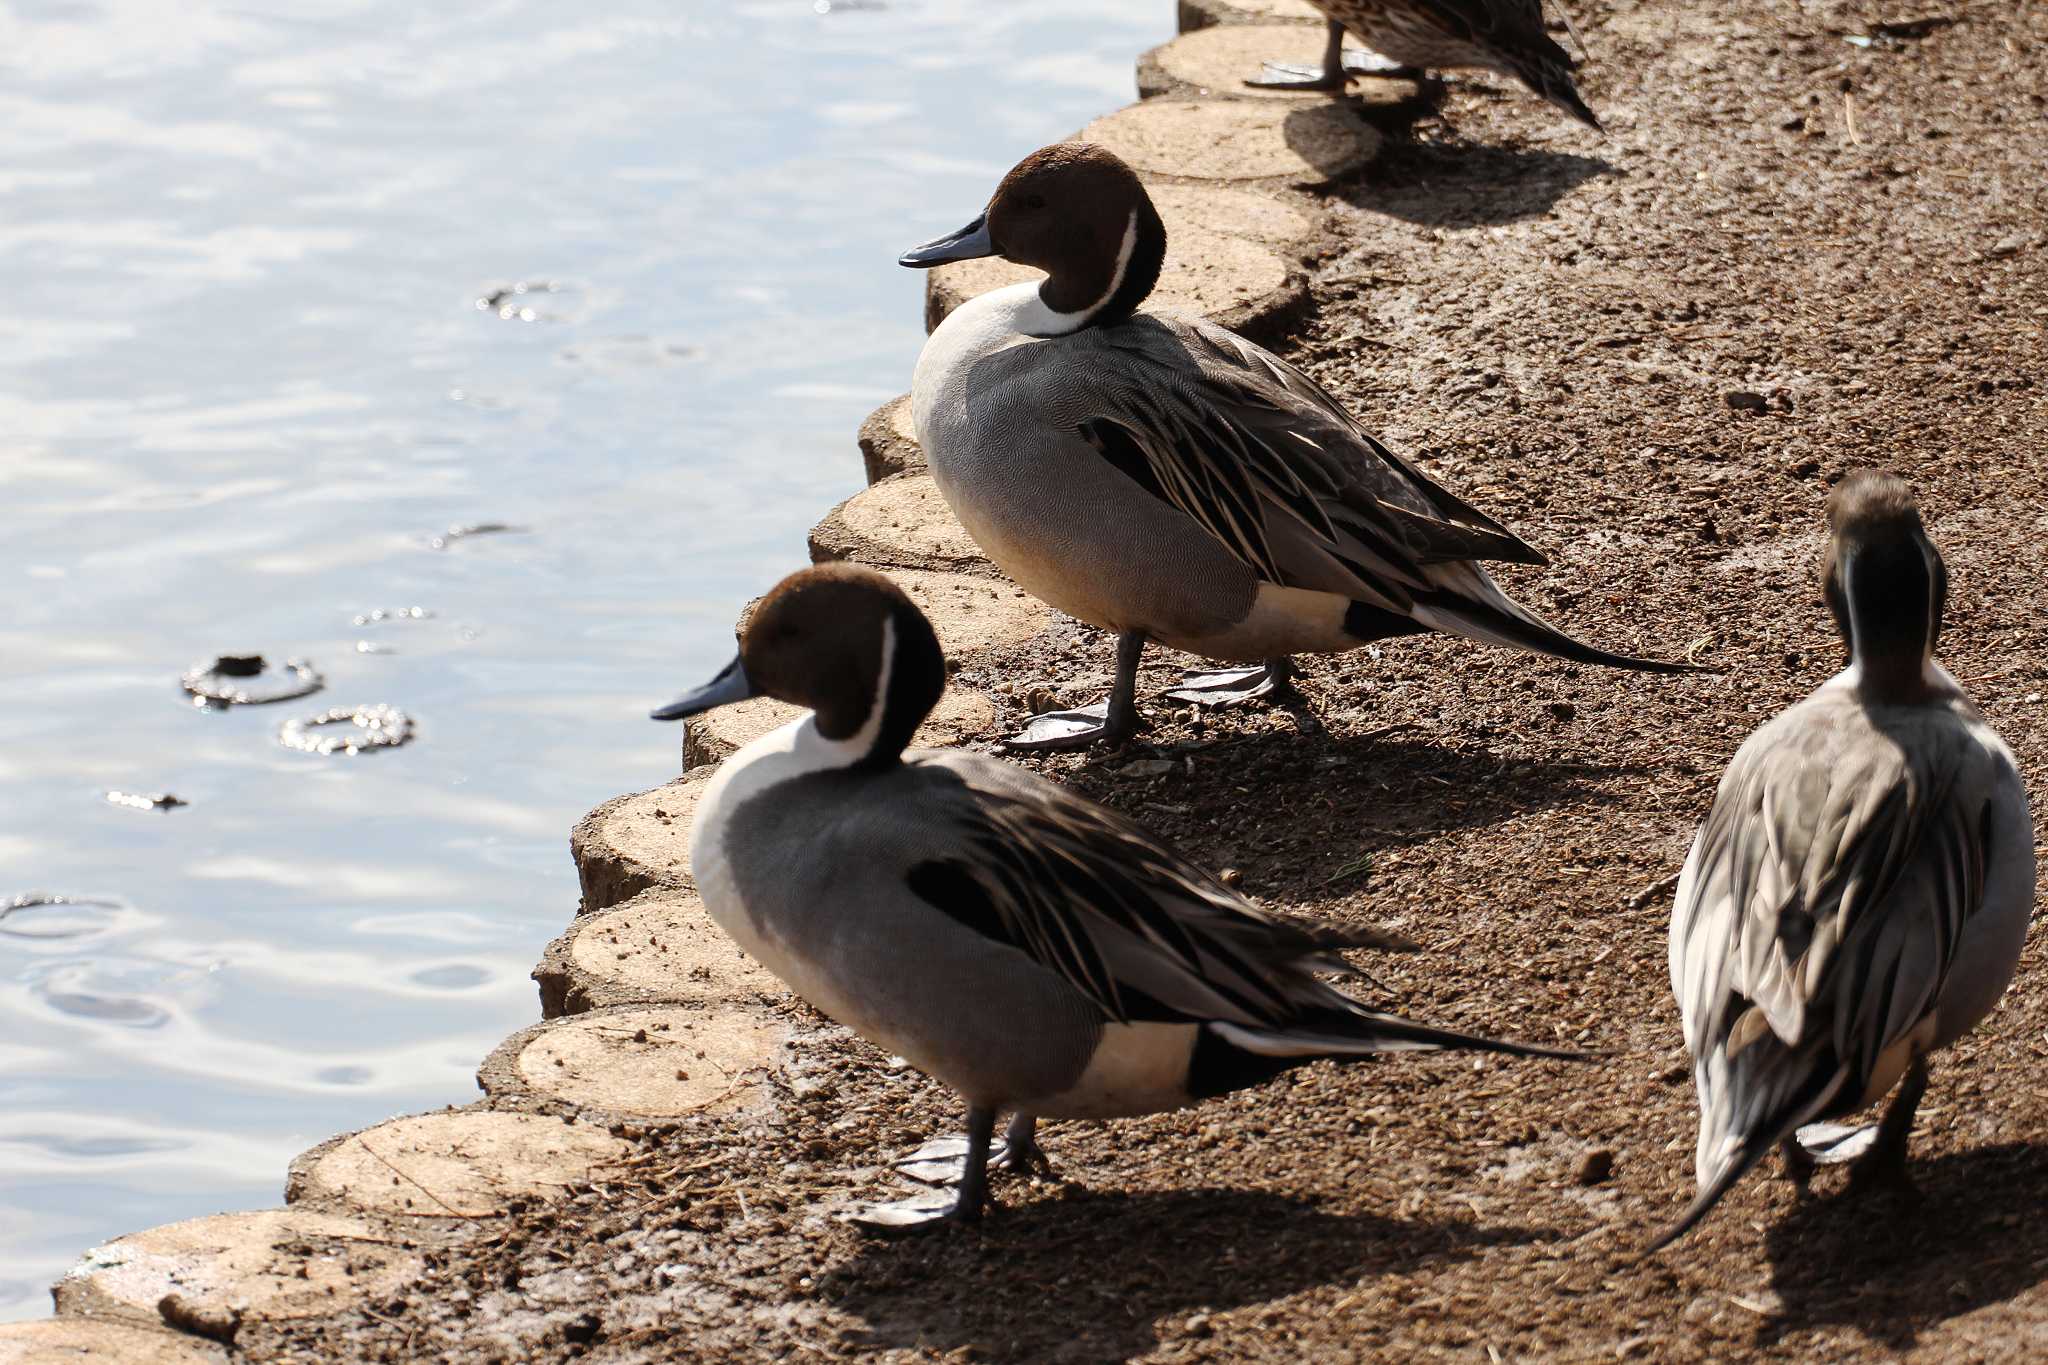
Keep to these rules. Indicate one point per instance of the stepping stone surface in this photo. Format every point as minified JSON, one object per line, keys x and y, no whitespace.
{"x":1199,"y":14}
{"x":1231,"y":139}
{"x":888,"y":441}
{"x":275,"y":1263}
{"x":654,"y":1063}
{"x":661,"y":945}
{"x":63,"y":1341}
{"x":902,"y":522}
{"x":632,"y":843}
{"x":1285,"y":224}
{"x":466,"y":1164}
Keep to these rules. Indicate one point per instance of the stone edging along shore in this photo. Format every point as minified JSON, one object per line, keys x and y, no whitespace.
{"x":650,"y":1015}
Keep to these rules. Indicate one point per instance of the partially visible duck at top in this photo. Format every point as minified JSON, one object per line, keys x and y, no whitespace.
{"x":1859,"y":893}
{"x":1409,"y":36}
{"x":1040,"y":954}
{"x":1161,"y":477}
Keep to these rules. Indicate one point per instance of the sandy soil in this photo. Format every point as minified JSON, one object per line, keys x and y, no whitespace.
{"x":1650,"y":354}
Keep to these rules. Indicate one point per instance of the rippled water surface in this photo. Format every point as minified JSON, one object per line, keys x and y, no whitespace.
{"x":263,"y":345}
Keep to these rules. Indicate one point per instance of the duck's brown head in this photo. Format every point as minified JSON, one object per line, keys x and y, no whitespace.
{"x":844,"y":642}
{"x":1077,"y":212}
{"x":1883,"y":579}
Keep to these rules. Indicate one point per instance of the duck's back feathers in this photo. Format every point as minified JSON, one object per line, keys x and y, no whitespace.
{"x":1268,"y":462}
{"x":1287,"y":482}
{"x":1827,"y":899}
{"x":1141,"y":931}
{"x":1832,"y":877}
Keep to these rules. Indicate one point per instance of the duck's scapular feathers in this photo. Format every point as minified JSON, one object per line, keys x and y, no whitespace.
{"x":1858,"y":894}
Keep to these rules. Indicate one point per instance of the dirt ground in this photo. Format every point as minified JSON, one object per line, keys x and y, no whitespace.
{"x":1650,"y":354}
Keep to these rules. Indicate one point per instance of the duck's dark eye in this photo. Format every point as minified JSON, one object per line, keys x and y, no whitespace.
{"x":1034,"y":201}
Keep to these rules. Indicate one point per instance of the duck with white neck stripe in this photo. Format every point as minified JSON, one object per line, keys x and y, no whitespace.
{"x":1164,"y":478}
{"x":1038,"y":953}
{"x":1859,"y":893}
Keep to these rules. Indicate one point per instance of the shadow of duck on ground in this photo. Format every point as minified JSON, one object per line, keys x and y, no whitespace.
{"x":1151,"y":1255}
{"x":1446,"y":182}
{"x":1896,"y":1264}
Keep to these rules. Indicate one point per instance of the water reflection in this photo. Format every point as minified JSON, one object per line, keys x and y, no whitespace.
{"x":248,"y":382}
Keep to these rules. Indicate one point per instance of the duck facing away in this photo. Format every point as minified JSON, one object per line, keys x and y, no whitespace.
{"x":1037,"y":953}
{"x":1164,"y":478}
{"x":1859,"y":892}
{"x":1410,"y":36}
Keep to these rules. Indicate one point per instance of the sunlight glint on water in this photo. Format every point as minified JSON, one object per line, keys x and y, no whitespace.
{"x":248,"y":382}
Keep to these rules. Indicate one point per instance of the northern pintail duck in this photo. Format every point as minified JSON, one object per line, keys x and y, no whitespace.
{"x":1858,"y":894}
{"x":1161,"y":477}
{"x":1411,"y":36}
{"x":1036,"y":952}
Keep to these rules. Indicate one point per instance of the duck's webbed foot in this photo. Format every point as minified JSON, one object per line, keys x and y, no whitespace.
{"x":942,"y":1161}
{"x":1289,"y":76}
{"x":1833,"y":1144}
{"x":1021,"y":1152}
{"x":1230,"y":686}
{"x":1075,"y":728}
{"x":1293,"y":76}
{"x":1359,"y":62}
{"x":919,"y":1213}
{"x":923,"y":1212}
{"x":1107,"y":722}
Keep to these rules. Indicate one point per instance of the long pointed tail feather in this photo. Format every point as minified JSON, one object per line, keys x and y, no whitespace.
{"x":1363,"y":1033}
{"x":1710,"y":1193}
{"x":1751,"y":1117}
{"x":1479,"y":610}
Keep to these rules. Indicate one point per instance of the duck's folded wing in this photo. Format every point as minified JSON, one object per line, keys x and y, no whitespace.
{"x":1123,"y":918}
{"x":1270,"y":464}
{"x":1790,"y":924}
{"x":1488,"y":23}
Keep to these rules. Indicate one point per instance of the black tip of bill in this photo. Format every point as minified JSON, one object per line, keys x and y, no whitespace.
{"x":731,"y":685}
{"x":969,"y":243}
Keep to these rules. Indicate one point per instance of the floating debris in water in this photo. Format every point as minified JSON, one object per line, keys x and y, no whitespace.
{"x":368,"y":727}
{"x":383,"y":614}
{"x":372,"y":647}
{"x":146,"y":800}
{"x":226,"y":681}
{"x":637,"y":350}
{"x":464,"y":532}
{"x":108,"y":1009}
{"x":510,"y":302}
{"x":17,"y":917}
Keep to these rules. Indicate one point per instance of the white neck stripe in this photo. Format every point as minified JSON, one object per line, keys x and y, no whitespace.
{"x":1045,"y":321}
{"x":844,"y":753}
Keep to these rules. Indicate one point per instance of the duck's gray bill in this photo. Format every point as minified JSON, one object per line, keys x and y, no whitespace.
{"x":731,"y":685}
{"x":965,"y":245}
